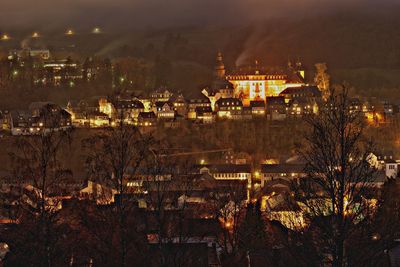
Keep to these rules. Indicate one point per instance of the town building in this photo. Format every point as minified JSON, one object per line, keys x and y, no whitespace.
{"x":257,"y":83}
{"x":276,"y":108}
{"x":41,"y":117}
{"x":160,"y":95}
{"x":164,"y":110}
{"x":257,"y":108}
{"x":229,"y":108}
{"x":194,"y":103}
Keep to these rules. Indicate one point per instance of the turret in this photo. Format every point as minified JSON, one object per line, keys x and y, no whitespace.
{"x":299,"y":68}
{"x":219,"y":70}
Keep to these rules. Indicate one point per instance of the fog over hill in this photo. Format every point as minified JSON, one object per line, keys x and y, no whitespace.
{"x":358,"y":39}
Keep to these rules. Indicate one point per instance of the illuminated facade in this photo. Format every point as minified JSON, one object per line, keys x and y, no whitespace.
{"x":256,"y":83}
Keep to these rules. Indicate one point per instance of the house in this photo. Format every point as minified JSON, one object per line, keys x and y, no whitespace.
{"x":41,"y":117}
{"x":101,"y":193}
{"x":128,"y":109}
{"x":247,"y":113}
{"x":257,"y":108}
{"x":147,"y":119}
{"x":228,"y":171}
{"x":98,"y":119}
{"x":195,"y":103}
{"x":220,"y":88}
{"x":179,"y":103}
{"x":276,"y":108}
{"x":160,"y":95}
{"x":205,"y":115}
{"x":58,"y":72}
{"x":391,"y":168}
{"x":230,"y":108}
{"x":79,"y":110}
{"x":378,"y":160}
{"x":164,"y":110}
{"x":285,"y":171}
{"x":355,"y":105}
{"x":301,"y":106}
{"x":309,"y":92}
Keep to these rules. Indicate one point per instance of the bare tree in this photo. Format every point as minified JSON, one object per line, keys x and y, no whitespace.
{"x":37,"y":165}
{"x":167,"y":184}
{"x":335,"y":193}
{"x":111,"y":154}
{"x":229,"y":208}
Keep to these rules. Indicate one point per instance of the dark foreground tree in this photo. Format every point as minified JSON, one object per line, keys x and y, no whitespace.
{"x":111,"y":155}
{"x":37,"y":239}
{"x":336,"y":193}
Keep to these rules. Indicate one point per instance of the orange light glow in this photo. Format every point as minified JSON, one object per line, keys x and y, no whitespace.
{"x":5,"y":37}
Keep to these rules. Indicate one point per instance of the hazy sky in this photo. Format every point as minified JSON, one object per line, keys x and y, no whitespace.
{"x":143,"y":13}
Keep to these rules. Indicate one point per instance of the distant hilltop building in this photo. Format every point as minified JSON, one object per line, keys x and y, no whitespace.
{"x":43,"y":54}
{"x":255,"y":83}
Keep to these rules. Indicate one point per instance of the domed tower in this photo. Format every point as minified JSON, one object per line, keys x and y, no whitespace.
{"x":219,"y":70}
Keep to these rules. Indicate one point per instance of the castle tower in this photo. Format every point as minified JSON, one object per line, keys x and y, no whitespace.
{"x":300,"y":68}
{"x":219,"y":71}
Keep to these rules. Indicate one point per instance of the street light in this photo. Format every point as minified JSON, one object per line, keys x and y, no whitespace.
{"x":5,"y":37}
{"x":96,"y":30}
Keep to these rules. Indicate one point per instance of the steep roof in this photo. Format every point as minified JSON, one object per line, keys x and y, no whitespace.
{"x":160,"y":104}
{"x":302,"y":90}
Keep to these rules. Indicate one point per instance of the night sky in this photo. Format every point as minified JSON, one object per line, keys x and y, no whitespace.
{"x":162,"y":13}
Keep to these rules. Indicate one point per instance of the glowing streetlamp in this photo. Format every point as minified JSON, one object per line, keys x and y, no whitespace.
{"x":96,"y":30}
{"x":35,"y":35}
{"x":69,"y":32}
{"x":5,"y":37}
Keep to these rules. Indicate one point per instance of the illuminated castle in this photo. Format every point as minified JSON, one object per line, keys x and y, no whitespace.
{"x":256,"y":83}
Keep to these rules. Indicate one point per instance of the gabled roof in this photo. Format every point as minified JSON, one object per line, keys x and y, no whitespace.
{"x":147,"y":115}
{"x":160,"y":104}
{"x":178,"y":97}
{"x":282,"y":168}
{"x":302,"y":90}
